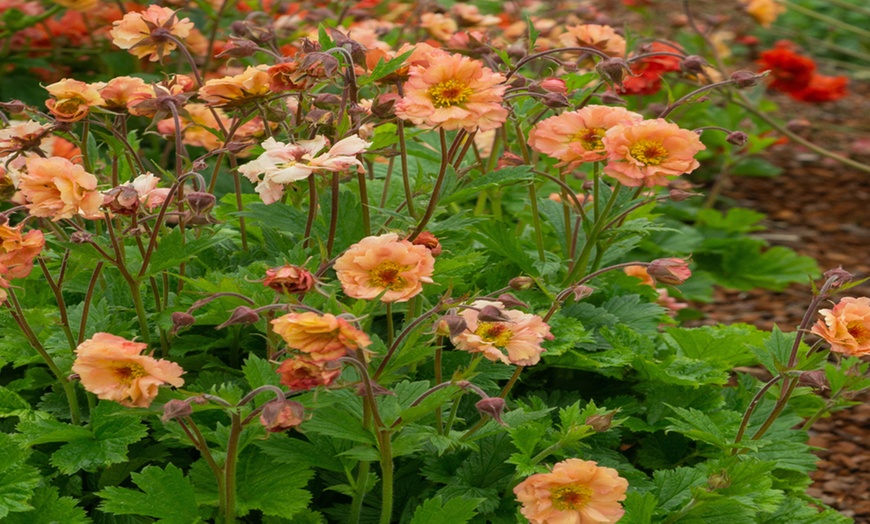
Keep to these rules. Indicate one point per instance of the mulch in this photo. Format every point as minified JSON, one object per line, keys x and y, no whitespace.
{"x":819,"y":208}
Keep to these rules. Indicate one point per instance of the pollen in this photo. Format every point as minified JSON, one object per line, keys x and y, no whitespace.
{"x":496,"y":333}
{"x":128,"y":372}
{"x":387,"y":275}
{"x":449,"y":93}
{"x":571,"y":497}
{"x":590,"y":138}
{"x":649,"y":152}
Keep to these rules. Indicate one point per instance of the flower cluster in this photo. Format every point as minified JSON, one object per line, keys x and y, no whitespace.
{"x":796,"y":75}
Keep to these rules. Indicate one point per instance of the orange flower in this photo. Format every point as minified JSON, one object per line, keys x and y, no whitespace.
{"x":18,"y":251}
{"x":289,"y":279}
{"x":439,"y":26}
{"x":641,"y":273}
{"x":57,"y":188}
{"x":112,"y":368}
{"x":78,"y":5}
{"x":822,"y":88}
{"x":384,"y":265}
{"x":22,"y":136}
{"x":72,"y":99}
{"x":516,"y":340}
{"x":323,"y":337}
{"x":574,"y":137}
{"x":601,"y":37}
{"x":281,"y":415}
{"x":151,"y":32}
{"x":453,"y":92}
{"x":302,"y":374}
{"x":576,"y":492}
{"x":647,"y":152}
{"x":253,"y":83}
{"x":847,"y":326}
{"x":119,"y":90}
{"x":765,"y":12}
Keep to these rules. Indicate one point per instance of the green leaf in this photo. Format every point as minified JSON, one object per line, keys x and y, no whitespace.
{"x":17,"y":479}
{"x":11,"y":403}
{"x":165,"y":495}
{"x":737,"y":220}
{"x":383,"y":69}
{"x":728,"y":346}
{"x":49,"y":508}
{"x":173,"y":251}
{"x":757,"y":167}
{"x":672,"y":486}
{"x":498,"y":178}
{"x":776,"y":351}
{"x":639,"y":508}
{"x":259,"y":372}
{"x":458,"y":510}
{"x":697,"y":425}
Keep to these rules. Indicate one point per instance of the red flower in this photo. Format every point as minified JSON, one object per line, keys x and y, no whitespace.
{"x":790,"y":71}
{"x":647,"y":72}
{"x":822,"y":89}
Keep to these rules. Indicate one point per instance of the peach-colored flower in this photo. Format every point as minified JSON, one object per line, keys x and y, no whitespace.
{"x":647,"y":152}
{"x":322,"y":337}
{"x":765,"y":12}
{"x":439,"y":26}
{"x":237,"y":89}
{"x":574,"y":492}
{"x":384,"y":266}
{"x":17,"y":251}
{"x":453,"y":92}
{"x":126,"y":198}
{"x":78,"y":5}
{"x":22,"y":136}
{"x":673,"y":271}
{"x":665,"y":300}
{"x":601,"y":37}
{"x":72,"y":99}
{"x":574,"y":137}
{"x":302,"y":374}
{"x":119,"y":90}
{"x":641,"y":273}
{"x":144,"y":101}
{"x":150,"y":32}
{"x":284,"y":163}
{"x":281,"y":415}
{"x":289,"y":279}
{"x":57,"y":188}
{"x":847,"y":326}
{"x":516,"y":340}
{"x":113,"y":368}
{"x":197,"y":124}
{"x":286,"y":76}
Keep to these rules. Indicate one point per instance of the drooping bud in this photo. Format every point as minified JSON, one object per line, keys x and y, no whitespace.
{"x":612,"y":99}
{"x":841,"y":275}
{"x":612,"y":70}
{"x":175,"y":409}
{"x":815,"y":379}
{"x":673,"y":271}
{"x":693,"y":64}
{"x":13,"y":106}
{"x":719,"y":480}
{"x":238,"y":48}
{"x":554,"y":85}
{"x":451,"y":326}
{"x":600,"y":423}
{"x":181,"y":320}
{"x":200,"y":204}
{"x":241,"y":315}
{"x":582,"y":291}
{"x":492,"y":314}
{"x":281,"y":415}
{"x":123,"y":200}
{"x":289,"y":279}
{"x":521,"y":283}
{"x":744,"y":78}
{"x":555,"y":100}
{"x":678,"y":195}
{"x":429,"y":241}
{"x":738,"y":138}
{"x":511,"y":301}
{"x":493,"y":407}
{"x":81,"y":237}
{"x":509,"y":159}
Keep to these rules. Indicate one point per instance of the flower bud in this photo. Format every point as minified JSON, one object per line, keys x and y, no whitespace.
{"x":719,"y":480}
{"x":509,"y":159}
{"x":521,"y":283}
{"x":815,"y":379}
{"x":451,"y":326}
{"x":554,"y":85}
{"x":693,"y":64}
{"x":841,"y":275}
{"x":744,"y":78}
{"x":200,"y":202}
{"x":511,"y":301}
{"x":281,"y":415}
{"x":241,"y":315}
{"x":582,"y":291}
{"x":289,"y":279}
{"x":429,"y":241}
{"x":175,"y":409}
{"x":81,"y":237}
{"x":555,"y":100}
{"x":492,"y":406}
{"x":123,"y":200}
{"x":673,"y":271}
{"x":238,"y":48}
{"x":327,"y":100}
{"x":678,"y":195}
{"x":612,"y":99}
{"x":600,"y":423}
{"x":737,"y":138}
{"x":492,"y":314}
{"x":612,"y":70}
{"x":181,"y":320}
{"x":13,"y":106}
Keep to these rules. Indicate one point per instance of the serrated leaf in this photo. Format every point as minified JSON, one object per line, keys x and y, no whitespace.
{"x":259,"y":372}
{"x":384,"y":68}
{"x":673,"y":486}
{"x":173,"y":252}
{"x":166,"y":494}
{"x":49,"y":508}
{"x":639,"y":508}
{"x":458,"y":510}
{"x":11,"y":403}
{"x":17,"y":479}
{"x":498,"y":178}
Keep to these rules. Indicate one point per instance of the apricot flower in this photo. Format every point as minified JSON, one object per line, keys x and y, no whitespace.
{"x":72,"y":99}
{"x":847,"y":326}
{"x":18,"y":251}
{"x":112,"y":368}
{"x":575,"y":137}
{"x":601,"y":37}
{"x":302,"y":374}
{"x":453,"y":92}
{"x":576,"y":492}
{"x":516,"y":340}
{"x":322,"y":337}
{"x":254,"y":82}
{"x":57,"y":188}
{"x":384,"y":266}
{"x":647,"y":152}
{"x":151,"y":32}
{"x":22,"y":136}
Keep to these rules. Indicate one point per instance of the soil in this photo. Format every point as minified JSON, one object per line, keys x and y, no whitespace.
{"x":819,"y":208}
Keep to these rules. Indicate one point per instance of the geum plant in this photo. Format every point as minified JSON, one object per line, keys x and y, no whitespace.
{"x":350,"y":341}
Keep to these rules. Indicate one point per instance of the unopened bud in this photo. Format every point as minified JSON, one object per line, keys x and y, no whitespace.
{"x":236,"y":146}
{"x":521,"y":283}
{"x":555,"y":100}
{"x":13,"y":106}
{"x":737,"y":138}
{"x":429,"y":241}
{"x":744,"y":78}
{"x":612,"y":99}
{"x":678,"y":195}
{"x":181,"y":320}
{"x":241,"y":315}
{"x":200,"y":202}
{"x":693,"y":64}
{"x":239,"y":48}
{"x":815,"y":379}
{"x":719,"y":480}
{"x":123,"y":200}
{"x":281,"y":415}
{"x":493,"y":407}
{"x":582,"y":291}
{"x":840,"y":275}
{"x":326,"y":100}
{"x":509,"y":159}
{"x":451,"y":326}
{"x":600,"y":423}
{"x":175,"y":409}
{"x":554,"y":85}
{"x":511,"y":301}
{"x":673,"y":271}
{"x":612,"y":70}
{"x":81,"y":237}
{"x":320,"y":117}
{"x":492,"y":314}
{"x":289,"y":279}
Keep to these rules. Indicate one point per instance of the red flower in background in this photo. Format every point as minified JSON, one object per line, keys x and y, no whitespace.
{"x":647,"y":78}
{"x":789,"y":70}
{"x":822,"y":89}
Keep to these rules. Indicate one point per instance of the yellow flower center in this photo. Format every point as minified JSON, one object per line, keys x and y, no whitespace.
{"x":649,"y":152}
{"x":449,"y":93}
{"x":388,"y":276}
{"x":590,"y":138}
{"x":495,"y":333}
{"x":571,"y":497}
{"x":859,"y":331}
{"x":127,"y":373}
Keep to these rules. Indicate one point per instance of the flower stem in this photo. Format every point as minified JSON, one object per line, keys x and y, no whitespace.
{"x":433,"y":200}
{"x":333,"y":217}
{"x":386,"y":477}
{"x":230,"y":468}
{"x":406,"y":176}
{"x":359,"y":492}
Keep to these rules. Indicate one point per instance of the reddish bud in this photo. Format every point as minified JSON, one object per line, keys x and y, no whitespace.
{"x":289,"y":279}
{"x":509,"y":159}
{"x":13,"y":106}
{"x":521,"y":283}
{"x":554,"y":85}
{"x":555,"y":100}
{"x":737,"y":138}
{"x":238,"y":48}
{"x":493,"y":407}
{"x":451,"y":326}
{"x":840,"y":275}
{"x":612,"y":99}
{"x":123,"y":200}
{"x":429,"y":241}
{"x":744,"y":78}
{"x":492,"y":314}
{"x":612,"y":70}
{"x":693,"y":64}
{"x":181,"y":320}
{"x":174,"y":409}
{"x":281,"y":415}
{"x":815,"y":379}
{"x":678,"y":195}
{"x":241,"y":315}
{"x":81,"y":237}
{"x":673,"y":271}
{"x":582,"y":291}
{"x":511,"y":301}
{"x":600,"y":423}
